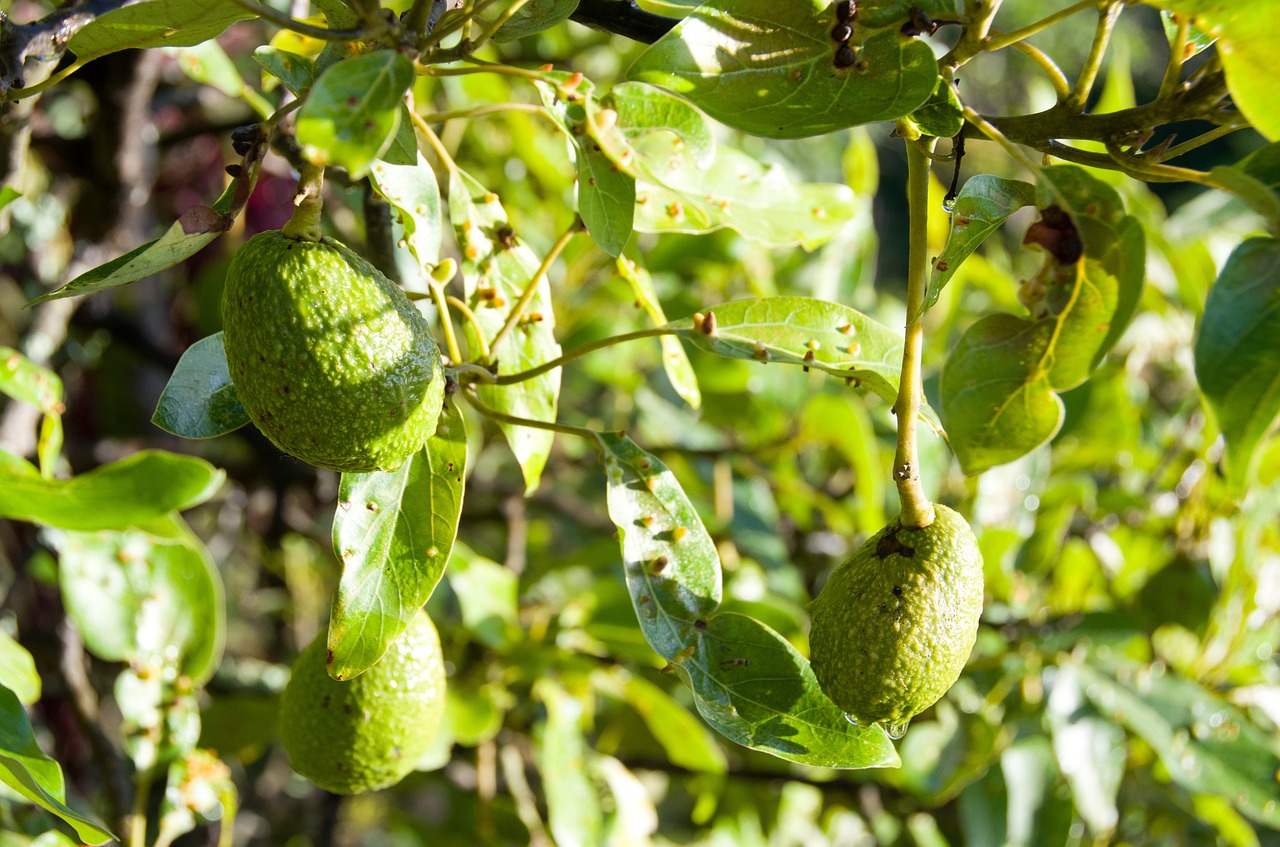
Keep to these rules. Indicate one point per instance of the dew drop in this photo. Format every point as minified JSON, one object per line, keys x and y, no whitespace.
{"x":851,"y":719}
{"x":948,"y":204}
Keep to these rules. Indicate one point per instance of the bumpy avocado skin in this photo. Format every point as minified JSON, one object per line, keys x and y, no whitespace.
{"x":369,"y":732}
{"x":894,"y":625}
{"x":328,"y":356}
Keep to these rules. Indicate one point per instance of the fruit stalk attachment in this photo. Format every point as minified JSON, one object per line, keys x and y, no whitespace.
{"x":304,"y":224}
{"x":917,"y":511}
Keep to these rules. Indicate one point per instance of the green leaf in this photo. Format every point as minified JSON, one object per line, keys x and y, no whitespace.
{"x":1248,"y":31}
{"x":353,"y":110}
{"x":1254,"y":192}
{"x":675,"y":362}
{"x":158,"y":23}
{"x":1090,"y":751}
{"x":197,"y":227}
{"x":534,"y":17}
{"x":672,"y":567}
{"x":759,"y":201}
{"x":768,"y":68}
{"x":981,"y":207}
{"x":136,"y":489}
{"x":209,"y":64}
{"x":150,"y":595}
{"x":1237,"y":353}
{"x":26,"y":769}
{"x":296,"y":72}
{"x":405,"y":179}
{"x":803,"y":331}
{"x":393,"y":532}
{"x":488,"y":595}
{"x":756,"y":689}
{"x":1207,"y":745}
{"x":18,"y":670}
{"x":24,"y":380}
{"x":641,"y":110}
{"x":8,"y":194}
{"x":199,"y":400}
{"x":685,"y":741}
{"x":573,"y":804}
{"x":941,"y":115}
{"x":495,"y":275}
{"x":998,"y":384}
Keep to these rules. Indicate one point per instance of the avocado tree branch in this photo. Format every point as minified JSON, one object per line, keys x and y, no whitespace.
{"x":623,"y":17}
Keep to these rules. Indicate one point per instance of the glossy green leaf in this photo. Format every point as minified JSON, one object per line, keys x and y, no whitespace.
{"x":26,"y":769}
{"x":405,"y":179}
{"x":1207,"y":745}
{"x":393,"y":532}
{"x":941,"y":115}
{"x":1197,"y":39}
{"x":573,"y":804}
{"x":685,"y":741}
{"x":999,"y":382}
{"x":157,"y":23}
{"x":675,"y":361}
{"x":672,"y":567}
{"x":16,"y":466}
{"x":150,"y":595}
{"x":199,"y":400}
{"x":1237,"y":353}
{"x":296,"y":72}
{"x":1263,"y":165}
{"x":22,"y":379}
{"x":801,"y":331}
{"x":983,"y":204}
{"x":640,"y":110}
{"x":494,"y":276}
{"x":353,"y":110}
{"x":534,"y":17}
{"x":136,"y":489}
{"x":193,"y":231}
{"x":759,"y":201}
{"x":53,"y":838}
{"x":768,"y":68}
{"x":1247,"y":31}
{"x":18,"y":670}
{"x":754,"y":688}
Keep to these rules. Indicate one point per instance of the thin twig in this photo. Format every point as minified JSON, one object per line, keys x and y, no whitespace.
{"x":578,"y":352}
{"x":303,"y":28}
{"x":1097,"y":50}
{"x":502,"y":417}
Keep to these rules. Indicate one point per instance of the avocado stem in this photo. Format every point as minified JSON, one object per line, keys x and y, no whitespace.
{"x":304,"y":224}
{"x":917,"y":511}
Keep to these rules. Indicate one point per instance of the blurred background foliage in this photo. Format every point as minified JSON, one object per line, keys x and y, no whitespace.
{"x":1125,"y":688}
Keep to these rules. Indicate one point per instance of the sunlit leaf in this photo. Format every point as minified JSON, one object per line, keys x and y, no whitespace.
{"x":209,"y":64}
{"x":393,"y":532}
{"x":22,"y":379}
{"x":768,"y":68}
{"x":497,"y":266}
{"x":199,"y":400}
{"x":129,"y":492}
{"x":353,"y":110}
{"x":487,"y":593}
{"x":405,"y":179}
{"x":26,"y":769}
{"x":158,"y":23}
{"x":1238,"y":352}
{"x":1090,"y":751}
{"x":981,"y":207}
{"x":534,"y":17}
{"x":672,"y":567}
{"x":941,"y":115}
{"x":149,"y":595}
{"x":18,"y":670}
{"x":573,"y":804}
{"x":640,"y":110}
{"x":685,"y":741}
{"x":675,"y":362}
{"x":296,"y":72}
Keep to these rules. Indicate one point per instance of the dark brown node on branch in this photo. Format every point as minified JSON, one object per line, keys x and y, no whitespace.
{"x":1057,"y":234}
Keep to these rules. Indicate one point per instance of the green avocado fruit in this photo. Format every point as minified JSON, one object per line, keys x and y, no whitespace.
{"x":894,"y":625}
{"x":368,"y":732}
{"x":328,"y":356}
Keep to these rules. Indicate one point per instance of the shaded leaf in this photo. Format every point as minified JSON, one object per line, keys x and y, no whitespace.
{"x":488,"y":595}
{"x":675,"y":362}
{"x":353,"y":110}
{"x":18,"y":670}
{"x":393,"y":532}
{"x":672,"y":567}
{"x":685,"y":741}
{"x":296,"y":72}
{"x":26,"y":769}
{"x":756,"y":689}
{"x":199,"y":400}
{"x":497,"y":266}
{"x":150,"y":595}
{"x":129,"y":492}
{"x":158,"y":23}
{"x":768,"y":68}
{"x":198,"y":227}
{"x":981,"y":207}
{"x":941,"y":114}
{"x":1206,"y":744}
{"x":534,"y":17}
{"x":1237,"y":353}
